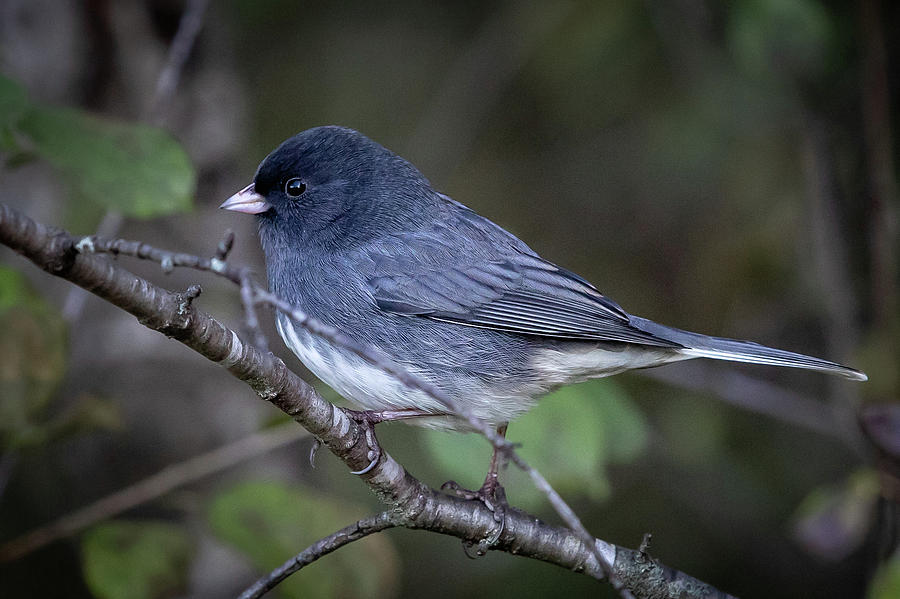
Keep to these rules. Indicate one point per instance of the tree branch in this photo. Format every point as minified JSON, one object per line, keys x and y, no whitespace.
{"x":415,"y":504}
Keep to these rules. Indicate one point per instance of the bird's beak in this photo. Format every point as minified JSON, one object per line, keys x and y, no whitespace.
{"x":246,"y":201}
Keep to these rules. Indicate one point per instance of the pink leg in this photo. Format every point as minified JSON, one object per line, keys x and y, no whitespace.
{"x":491,"y":494}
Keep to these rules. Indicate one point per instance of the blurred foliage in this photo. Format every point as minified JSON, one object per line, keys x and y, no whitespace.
{"x":270,"y":522}
{"x":32,"y":359}
{"x":571,"y":437}
{"x":136,"y":560}
{"x":33,"y":356}
{"x":879,"y":354}
{"x":131,"y":168}
{"x":696,"y":432}
{"x":886,"y":584}
{"x":796,"y":36}
{"x":13,"y":105}
{"x":833,"y":521}
{"x":607,"y":42}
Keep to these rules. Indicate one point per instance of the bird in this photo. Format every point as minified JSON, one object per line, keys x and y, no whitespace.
{"x":357,"y":238}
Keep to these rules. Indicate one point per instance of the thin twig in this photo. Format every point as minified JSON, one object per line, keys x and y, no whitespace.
{"x":644,"y":547}
{"x":74,"y":302}
{"x":179,"y":50}
{"x":320,"y":548}
{"x":248,"y":293}
{"x":573,"y":522}
{"x":165,"y":258}
{"x":225,"y":245}
{"x":153,"y":487}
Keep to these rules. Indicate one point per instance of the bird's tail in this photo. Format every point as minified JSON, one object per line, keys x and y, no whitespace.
{"x":719,"y":348}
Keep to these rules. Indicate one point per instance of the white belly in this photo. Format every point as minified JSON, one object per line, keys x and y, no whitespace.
{"x":371,"y":388}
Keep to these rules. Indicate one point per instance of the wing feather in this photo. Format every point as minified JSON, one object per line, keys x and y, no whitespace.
{"x":476,"y":274}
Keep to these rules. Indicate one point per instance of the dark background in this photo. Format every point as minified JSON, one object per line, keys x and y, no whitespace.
{"x":721,"y":167}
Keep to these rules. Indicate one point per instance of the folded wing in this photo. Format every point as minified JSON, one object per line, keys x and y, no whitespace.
{"x":474,"y":273}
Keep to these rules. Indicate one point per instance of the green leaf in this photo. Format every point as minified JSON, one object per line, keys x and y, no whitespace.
{"x":135,"y":560}
{"x":134,"y":169}
{"x":32,"y":359}
{"x":570,"y":437}
{"x":270,"y":522}
{"x":13,"y":104}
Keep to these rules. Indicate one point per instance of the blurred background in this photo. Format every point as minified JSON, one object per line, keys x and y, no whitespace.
{"x":723,"y":167}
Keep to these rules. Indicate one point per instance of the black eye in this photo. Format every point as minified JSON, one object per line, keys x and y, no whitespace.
{"x":294,"y":187}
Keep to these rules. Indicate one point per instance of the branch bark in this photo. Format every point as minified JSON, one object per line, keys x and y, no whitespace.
{"x":414,"y":504}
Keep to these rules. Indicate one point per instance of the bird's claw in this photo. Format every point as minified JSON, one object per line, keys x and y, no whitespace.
{"x":373,"y":452}
{"x":493,"y":496}
{"x":372,"y":463}
{"x":317,"y":443}
{"x":367,"y":419}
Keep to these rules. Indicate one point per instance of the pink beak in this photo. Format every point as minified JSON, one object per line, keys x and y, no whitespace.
{"x":246,"y":201}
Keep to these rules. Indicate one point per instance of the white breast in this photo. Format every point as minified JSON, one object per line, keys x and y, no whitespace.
{"x":348,"y":374}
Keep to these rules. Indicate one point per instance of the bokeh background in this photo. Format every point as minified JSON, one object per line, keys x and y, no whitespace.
{"x":724,"y":167}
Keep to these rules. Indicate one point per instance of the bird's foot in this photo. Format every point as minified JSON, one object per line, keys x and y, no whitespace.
{"x":367,"y":419}
{"x":491,"y":493}
{"x":493,"y":496}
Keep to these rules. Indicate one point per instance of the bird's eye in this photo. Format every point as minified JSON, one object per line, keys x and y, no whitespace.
{"x":294,"y":187}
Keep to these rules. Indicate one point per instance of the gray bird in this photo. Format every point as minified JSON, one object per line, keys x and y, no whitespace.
{"x":357,"y":238}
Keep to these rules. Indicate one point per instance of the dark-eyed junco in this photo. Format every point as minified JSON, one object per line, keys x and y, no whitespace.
{"x":356,"y":237}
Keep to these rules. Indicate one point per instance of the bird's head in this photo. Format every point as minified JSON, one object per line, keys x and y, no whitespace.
{"x":333,"y":185}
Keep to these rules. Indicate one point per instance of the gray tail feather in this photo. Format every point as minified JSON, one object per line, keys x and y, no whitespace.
{"x":719,"y":348}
